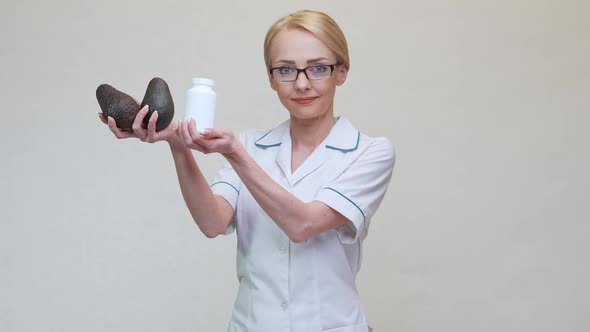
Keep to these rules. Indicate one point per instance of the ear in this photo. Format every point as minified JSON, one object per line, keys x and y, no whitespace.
{"x":273,"y":83}
{"x":341,"y":74}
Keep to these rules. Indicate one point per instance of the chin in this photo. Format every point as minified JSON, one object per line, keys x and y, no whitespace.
{"x":306,"y":114}
{"x":310,"y":111}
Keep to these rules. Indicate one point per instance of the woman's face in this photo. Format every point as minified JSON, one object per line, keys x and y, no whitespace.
{"x":303,"y":98}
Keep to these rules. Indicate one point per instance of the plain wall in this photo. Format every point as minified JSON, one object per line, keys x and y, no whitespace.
{"x":486,"y":224}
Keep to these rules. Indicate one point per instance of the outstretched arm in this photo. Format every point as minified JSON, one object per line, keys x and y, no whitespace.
{"x":210,"y":212}
{"x":300,"y":221}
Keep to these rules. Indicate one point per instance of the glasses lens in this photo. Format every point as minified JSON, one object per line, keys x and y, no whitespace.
{"x":319,"y":72}
{"x":284,"y":74}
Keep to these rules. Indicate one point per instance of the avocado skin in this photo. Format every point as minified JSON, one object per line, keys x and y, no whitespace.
{"x":158,"y":98}
{"x":118,"y":105}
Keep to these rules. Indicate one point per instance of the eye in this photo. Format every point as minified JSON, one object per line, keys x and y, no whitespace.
{"x":286,"y":70}
{"x":319,"y":69}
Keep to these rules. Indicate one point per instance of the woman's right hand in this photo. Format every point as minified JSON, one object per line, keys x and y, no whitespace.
{"x":149,"y":135}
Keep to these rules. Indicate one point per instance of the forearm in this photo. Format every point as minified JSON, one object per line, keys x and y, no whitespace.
{"x":209,"y":212}
{"x":293,"y":216}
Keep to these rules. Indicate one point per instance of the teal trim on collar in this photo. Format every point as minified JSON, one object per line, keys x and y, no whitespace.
{"x":358,"y":138}
{"x":348,"y":199}
{"x":265,"y":145}
{"x":229,"y":184}
{"x":341,"y":137}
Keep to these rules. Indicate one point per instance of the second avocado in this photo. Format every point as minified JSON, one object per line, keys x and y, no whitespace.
{"x":158,"y":98}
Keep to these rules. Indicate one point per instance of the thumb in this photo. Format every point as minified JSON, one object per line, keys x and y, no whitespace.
{"x":213,"y":132}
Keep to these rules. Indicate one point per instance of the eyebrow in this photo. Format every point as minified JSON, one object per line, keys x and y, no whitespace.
{"x":291,"y":62}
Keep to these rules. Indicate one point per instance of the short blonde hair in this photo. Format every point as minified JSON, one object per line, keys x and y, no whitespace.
{"x":319,"y":24}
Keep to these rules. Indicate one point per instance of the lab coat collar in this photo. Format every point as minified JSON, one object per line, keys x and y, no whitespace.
{"x":274,"y":137}
{"x":343,"y":136}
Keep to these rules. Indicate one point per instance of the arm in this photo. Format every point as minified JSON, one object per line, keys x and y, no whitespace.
{"x":210,"y":212}
{"x":300,"y":221}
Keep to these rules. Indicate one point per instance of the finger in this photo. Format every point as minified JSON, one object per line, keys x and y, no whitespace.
{"x":102,"y":118}
{"x":196,"y":136}
{"x":118,"y":133}
{"x":186,"y":134}
{"x":179,"y":130}
{"x":214,"y":132}
{"x":199,"y":147}
{"x":193,"y":129}
{"x":112,"y":125}
{"x":206,"y":144}
{"x":151,"y":129}
{"x":137,"y":129}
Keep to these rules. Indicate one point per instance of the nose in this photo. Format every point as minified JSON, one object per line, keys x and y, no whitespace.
{"x":302,"y":82}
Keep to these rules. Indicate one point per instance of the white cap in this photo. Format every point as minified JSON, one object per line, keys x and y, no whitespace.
{"x":203,"y":81}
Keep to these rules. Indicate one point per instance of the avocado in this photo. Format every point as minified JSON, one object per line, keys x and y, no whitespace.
{"x":158,"y":98}
{"x":118,"y":105}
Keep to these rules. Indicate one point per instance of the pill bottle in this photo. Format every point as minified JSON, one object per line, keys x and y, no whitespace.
{"x":200,"y":103}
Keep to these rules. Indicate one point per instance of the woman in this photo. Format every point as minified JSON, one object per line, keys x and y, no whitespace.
{"x":300,"y":196}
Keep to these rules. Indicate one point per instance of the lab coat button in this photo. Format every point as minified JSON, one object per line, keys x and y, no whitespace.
{"x":285,"y":306}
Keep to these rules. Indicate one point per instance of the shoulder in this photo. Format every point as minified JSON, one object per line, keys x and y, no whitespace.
{"x":376,"y":153}
{"x":378,"y":145}
{"x":372,"y":147}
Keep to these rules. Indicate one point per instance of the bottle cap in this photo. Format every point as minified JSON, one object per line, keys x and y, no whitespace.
{"x":203,"y":81}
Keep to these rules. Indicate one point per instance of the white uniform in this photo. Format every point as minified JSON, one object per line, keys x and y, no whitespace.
{"x":309,"y":286}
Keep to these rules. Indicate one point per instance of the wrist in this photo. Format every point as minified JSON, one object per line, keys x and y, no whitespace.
{"x":175,"y":142}
{"x":236,"y":152}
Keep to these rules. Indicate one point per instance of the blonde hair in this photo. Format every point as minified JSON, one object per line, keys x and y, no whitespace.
{"x":319,"y":24}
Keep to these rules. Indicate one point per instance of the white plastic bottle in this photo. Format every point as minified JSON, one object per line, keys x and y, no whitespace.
{"x":200,"y":103}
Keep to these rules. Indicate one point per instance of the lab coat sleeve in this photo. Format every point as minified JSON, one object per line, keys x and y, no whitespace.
{"x":358,"y":191}
{"x":227,"y":184}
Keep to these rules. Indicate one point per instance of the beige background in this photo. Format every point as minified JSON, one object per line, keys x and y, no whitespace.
{"x":485,"y":227}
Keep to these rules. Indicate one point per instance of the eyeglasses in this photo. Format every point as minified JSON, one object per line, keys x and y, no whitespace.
{"x":312,"y":73}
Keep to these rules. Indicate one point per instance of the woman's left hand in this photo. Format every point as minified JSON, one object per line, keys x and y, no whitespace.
{"x":212,"y":140}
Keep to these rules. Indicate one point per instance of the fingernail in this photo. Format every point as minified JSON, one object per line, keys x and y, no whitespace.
{"x":206,"y":131}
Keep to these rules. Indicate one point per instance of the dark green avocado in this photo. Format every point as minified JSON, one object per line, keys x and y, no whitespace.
{"x":118,"y":105}
{"x":158,"y":98}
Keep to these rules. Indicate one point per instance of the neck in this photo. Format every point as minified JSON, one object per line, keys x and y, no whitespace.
{"x":310,"y":133}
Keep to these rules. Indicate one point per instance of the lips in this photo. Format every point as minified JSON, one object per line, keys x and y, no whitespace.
{"x":304,"y":100}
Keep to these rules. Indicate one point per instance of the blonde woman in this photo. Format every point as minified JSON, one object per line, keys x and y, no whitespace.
{"x":299,"y":196}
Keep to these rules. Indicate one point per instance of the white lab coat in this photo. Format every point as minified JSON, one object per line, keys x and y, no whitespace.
{"x":309,"y":286}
